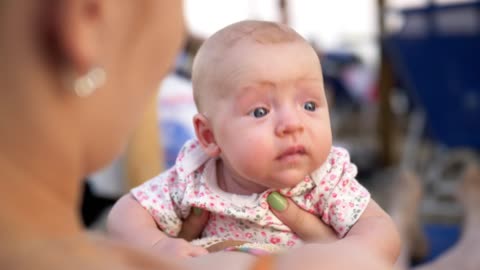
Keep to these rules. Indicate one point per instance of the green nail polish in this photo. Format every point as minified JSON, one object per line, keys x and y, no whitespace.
{"x":197,"y":211}
{"x":277,"y":201}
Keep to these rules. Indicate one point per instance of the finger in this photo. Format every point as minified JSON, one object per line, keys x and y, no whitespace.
{"x":306,"y":225}
{"x":193,"y":226}
{"x":198,"y":251}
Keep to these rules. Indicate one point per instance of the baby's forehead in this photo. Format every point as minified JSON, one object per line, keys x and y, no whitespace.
{"x":258,"y":32}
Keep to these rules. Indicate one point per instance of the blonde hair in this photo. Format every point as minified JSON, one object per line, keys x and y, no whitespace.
{"x":215,"y":48}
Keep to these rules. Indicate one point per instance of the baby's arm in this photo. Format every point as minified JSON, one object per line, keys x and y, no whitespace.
{"x":130,"y":222}
{"x":375,"y":231}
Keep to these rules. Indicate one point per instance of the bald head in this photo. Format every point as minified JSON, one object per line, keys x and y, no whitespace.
{"x":206,"y":81}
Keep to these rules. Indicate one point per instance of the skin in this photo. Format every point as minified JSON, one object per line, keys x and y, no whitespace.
{"x":51,"y":138}
{"x":280,"y":88}
{"x":283,"y":90}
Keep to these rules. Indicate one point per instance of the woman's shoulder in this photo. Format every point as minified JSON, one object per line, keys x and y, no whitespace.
{"x":80,"y":253}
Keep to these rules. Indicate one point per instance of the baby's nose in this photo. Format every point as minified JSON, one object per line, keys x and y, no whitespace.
{"x":289,"y":124}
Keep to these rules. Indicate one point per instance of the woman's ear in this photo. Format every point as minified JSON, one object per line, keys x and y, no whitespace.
{"x":205,"y":136}
{"x":77,"y":28}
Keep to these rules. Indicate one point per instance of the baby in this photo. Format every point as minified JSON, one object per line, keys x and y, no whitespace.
{"x":262,"y":126}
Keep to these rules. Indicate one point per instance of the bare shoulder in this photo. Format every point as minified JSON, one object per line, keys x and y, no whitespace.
{"x":82,"y":253}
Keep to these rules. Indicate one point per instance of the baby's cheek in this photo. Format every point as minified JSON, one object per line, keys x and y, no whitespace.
{"x":252,"y":159}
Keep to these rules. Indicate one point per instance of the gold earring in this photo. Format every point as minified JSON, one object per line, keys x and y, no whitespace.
{"x":87,"y":84}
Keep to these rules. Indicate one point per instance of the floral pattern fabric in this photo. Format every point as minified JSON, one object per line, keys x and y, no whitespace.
{"x":331,"y":192}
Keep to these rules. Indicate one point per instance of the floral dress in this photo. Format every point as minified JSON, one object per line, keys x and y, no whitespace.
{"x":331,"y":192}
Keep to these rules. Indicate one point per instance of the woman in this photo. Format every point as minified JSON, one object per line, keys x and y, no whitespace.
{"x":75,"y":76}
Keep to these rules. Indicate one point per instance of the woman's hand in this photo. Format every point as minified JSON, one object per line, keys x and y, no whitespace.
{"x":306,"y":225}
{"x":180,"y":246}
{"x":193,"y":226}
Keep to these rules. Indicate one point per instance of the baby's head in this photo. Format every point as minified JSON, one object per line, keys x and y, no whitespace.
{"x":258,"y":88}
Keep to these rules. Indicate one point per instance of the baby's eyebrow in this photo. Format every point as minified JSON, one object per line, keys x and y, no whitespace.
{"x":252,"y":93}
{"x":254,"y":88}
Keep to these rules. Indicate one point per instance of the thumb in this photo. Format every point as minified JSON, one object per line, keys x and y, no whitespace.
{"x":306,"y":225}
{"x":193,"y":226}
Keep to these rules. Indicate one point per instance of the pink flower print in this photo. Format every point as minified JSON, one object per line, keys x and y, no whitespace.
{"x":221,"y":229}
{"x":211,"y":198}
{"x":221,"y":216}
{"x":290,"y":243}
{"x":275,"y":240}
{"x":353,"y":189}
{"x":264,"y":205}
{"x":268,"y":218}
{"x":319,"y":206}
{"x":308,"y":179}
{"x":322,"y":182}
{"x":180,"y":169}
{"x":334,"y":195}
{"x":172,"y":179}
{"x":154,"y":201}
{"x":294,"y":237}
{"x":165,"y":189}
{"x":333,"y":177}
{"x":351,"y":204}
{"x":222,"y":204}
{"x":248,"y":235}
{"x":212,"y":204}
{"x":237,"y":235}
{"x":289,"y":194}
{"x":338,"y":202}
{"x":341,"y":229}
{"x":153,"y":187}
{"x":326,"y":189}
{"x":308,"y":197}
{"x":264,"y":234}
{"x":332,"y":161}
{"x":345,"y":182}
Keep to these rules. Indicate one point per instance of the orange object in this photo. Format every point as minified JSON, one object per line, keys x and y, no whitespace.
{"x":264,"y":262}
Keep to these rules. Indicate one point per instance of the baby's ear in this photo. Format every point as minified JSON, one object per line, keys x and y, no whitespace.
{"x":204,"y":133}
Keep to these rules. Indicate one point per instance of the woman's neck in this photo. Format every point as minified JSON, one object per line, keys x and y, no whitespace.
{"x":36,"y":204}
{"x":235,"y":184}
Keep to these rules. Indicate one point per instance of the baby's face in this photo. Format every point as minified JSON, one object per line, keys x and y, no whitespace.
{"x":272,"y":125}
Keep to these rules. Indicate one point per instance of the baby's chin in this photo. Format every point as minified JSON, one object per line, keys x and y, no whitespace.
{"x":287,"y":182}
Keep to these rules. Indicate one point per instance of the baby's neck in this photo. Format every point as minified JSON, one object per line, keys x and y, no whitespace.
{"x":234,"y":184}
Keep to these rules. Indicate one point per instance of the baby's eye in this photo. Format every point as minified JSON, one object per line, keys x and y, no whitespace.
{"x":310,"y":106}
{"x":259,"y":112}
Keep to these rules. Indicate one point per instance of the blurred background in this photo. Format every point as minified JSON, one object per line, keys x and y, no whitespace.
{"x":403,"y":84}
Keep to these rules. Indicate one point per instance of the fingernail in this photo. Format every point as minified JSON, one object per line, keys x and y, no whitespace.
{"x":277,"y":201}
{"x":197,"y":211}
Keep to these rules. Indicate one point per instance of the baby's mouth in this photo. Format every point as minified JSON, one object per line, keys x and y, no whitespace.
{"x":297,"y":150}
